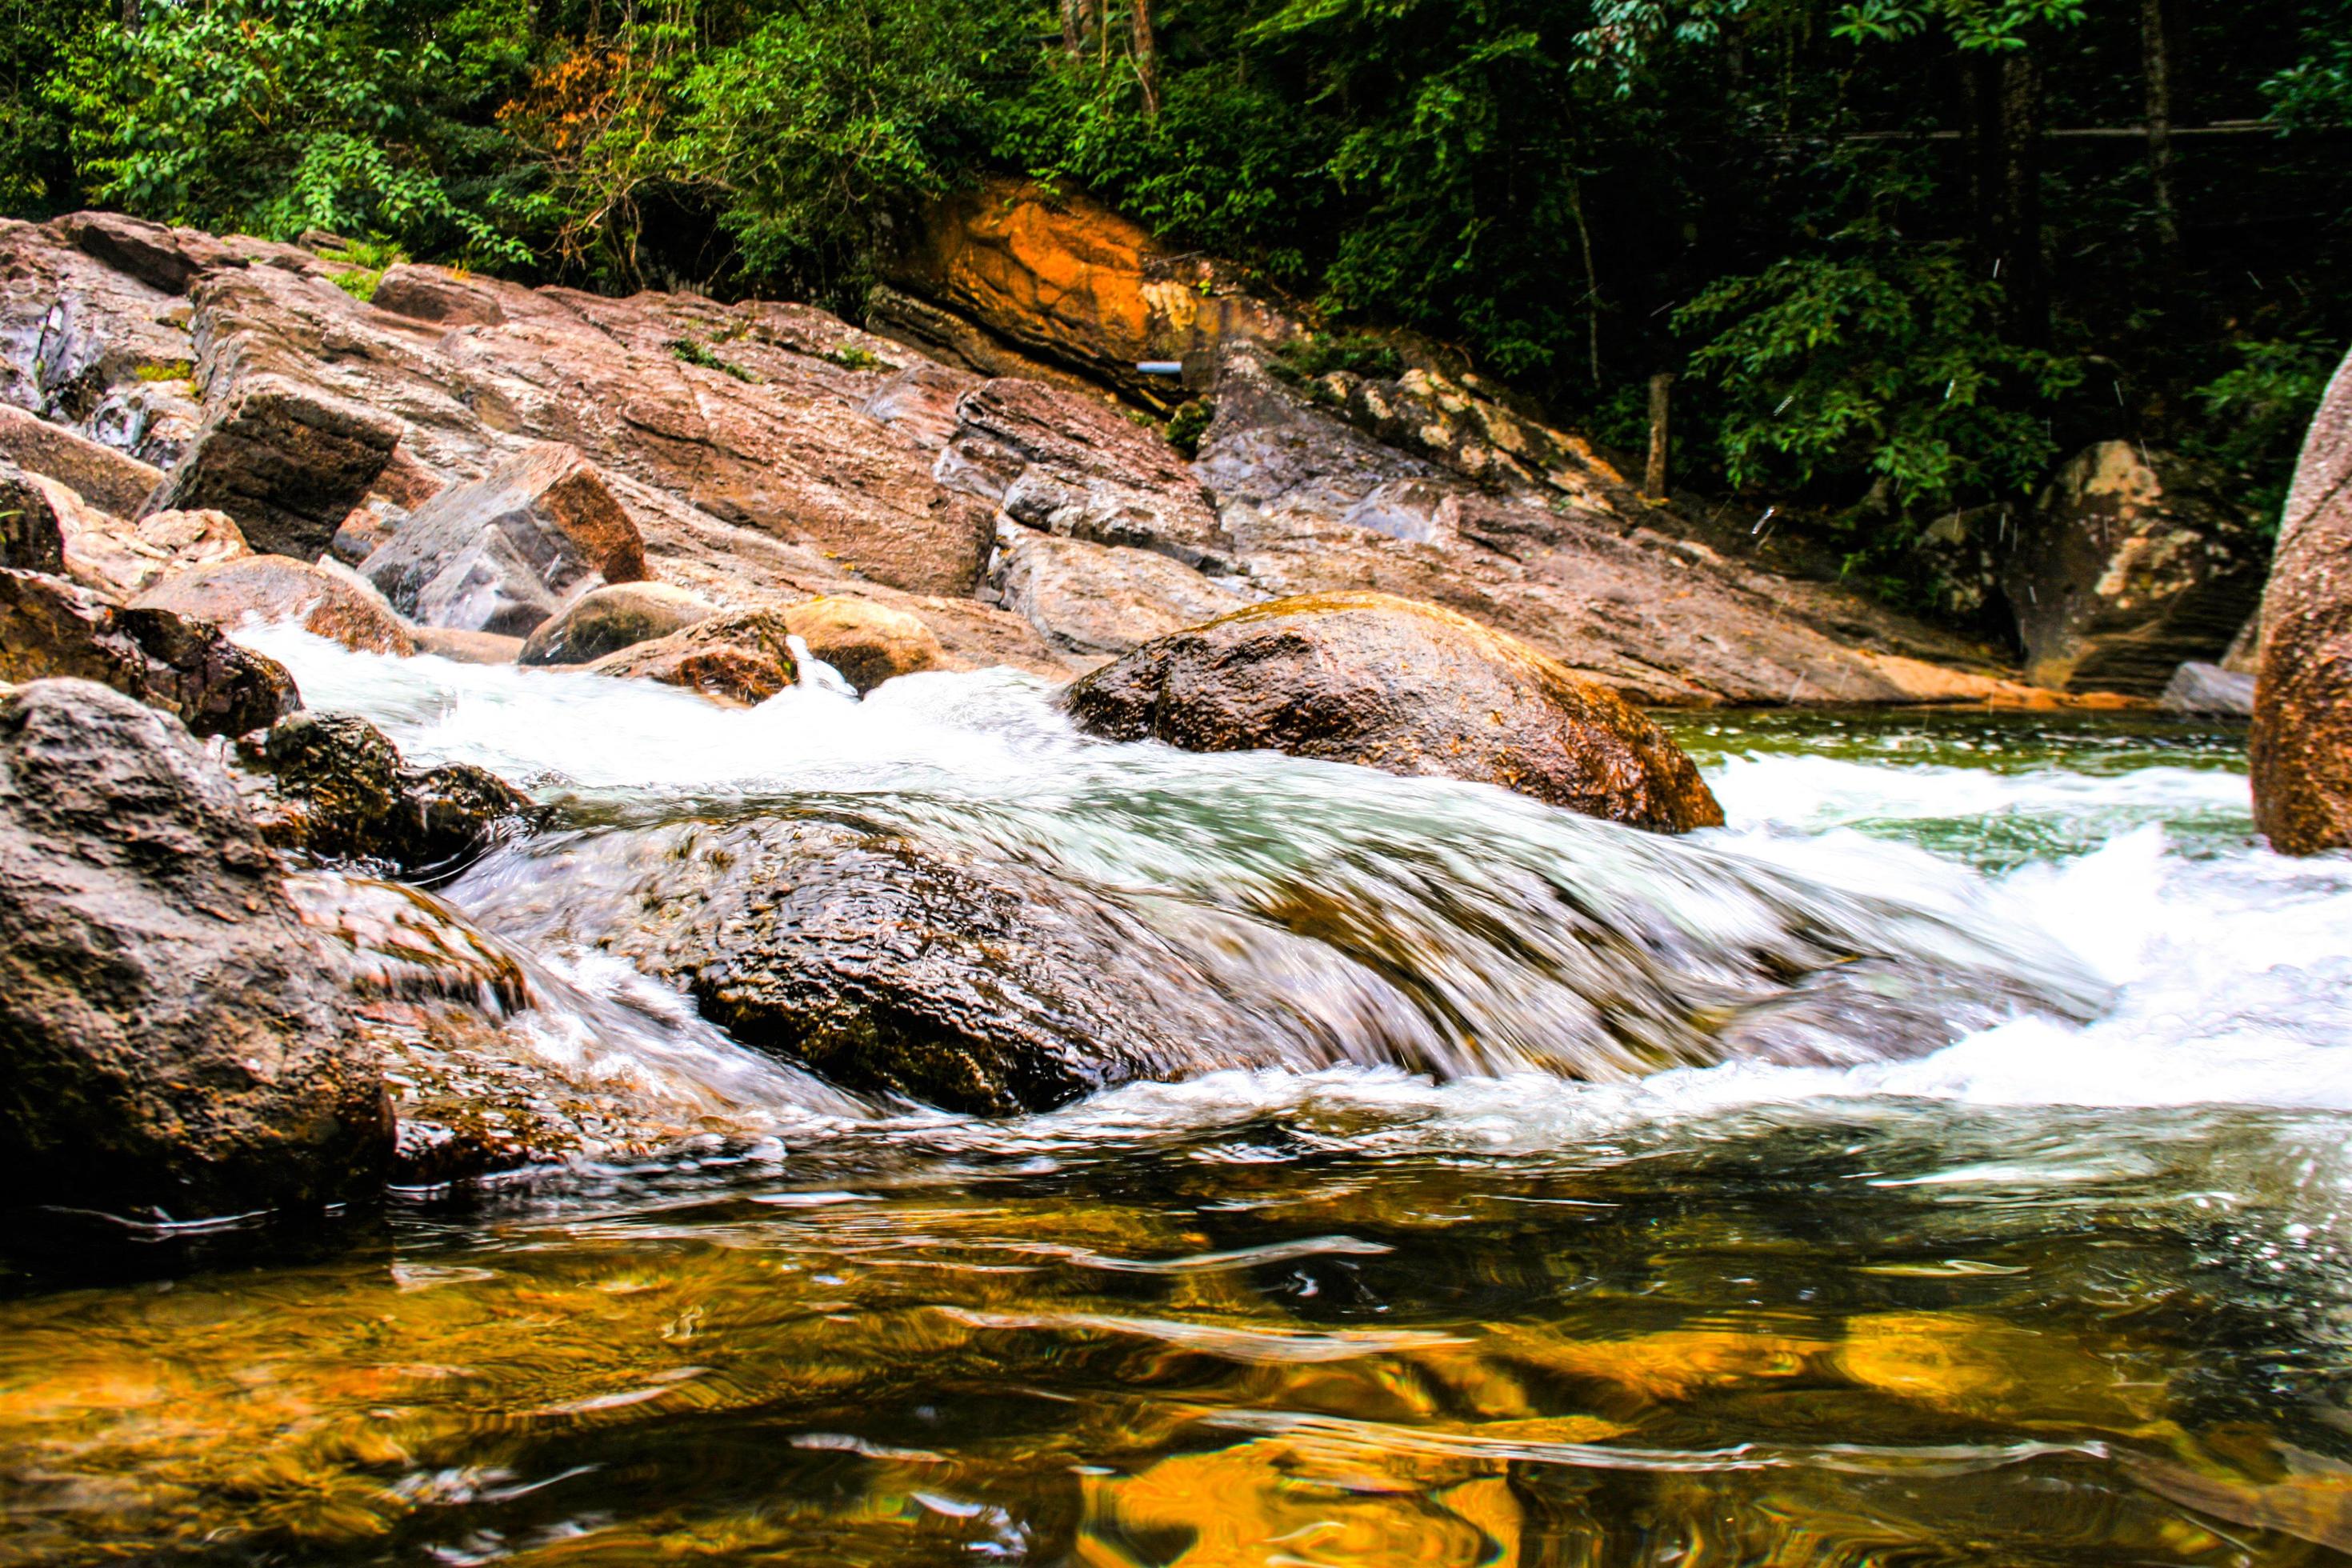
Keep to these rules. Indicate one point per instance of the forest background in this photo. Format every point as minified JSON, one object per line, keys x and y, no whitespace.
{"x":1903,"y":256}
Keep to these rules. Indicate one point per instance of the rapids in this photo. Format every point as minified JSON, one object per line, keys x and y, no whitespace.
{"x":2011,"y":1229}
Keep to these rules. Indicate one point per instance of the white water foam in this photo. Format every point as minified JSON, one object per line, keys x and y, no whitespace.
{"x":2233,"y":969}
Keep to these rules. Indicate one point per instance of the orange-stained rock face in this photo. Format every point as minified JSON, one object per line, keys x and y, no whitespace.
{"x":1076,"y":281}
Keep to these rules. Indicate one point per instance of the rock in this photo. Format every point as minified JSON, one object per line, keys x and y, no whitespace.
{"x":2130,"y":568}
{"x":1102,"y":599}
{"x":1072,"y":465}
{"x":608,"y":619}
{"x":327,"y":601}
{"x":170,"y":260}
{"x":502,"y":554}
{"x":867,"y":642}
{"x":339,"y":789}
{"x":52,"y":627}
{"x":124,"y":559}
{"x":286,"y":459}
{"x":171,"y":1045}
{"x":31,"y":532}
{"x":2300,"y":749}
{"x":743,"y":656}
{"x":466,"y":648}
{"x":2209,"y":690}
{"x":106,"y":478}
{"x":1406,"y":688}
{"x":919,"y":402}
{"x":892,"y":968}
{"x":437,"y":295}
{"x":1072,"y":281}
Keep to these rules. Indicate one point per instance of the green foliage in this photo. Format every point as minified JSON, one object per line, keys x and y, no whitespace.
{"x":1359,"y":353}
{"x":849,"y":356}
{"x":274,"y":117}
{"x":1874,"y":361}
{"x":2256,"y":414}
{"x":700,"y":353}
{"x":832,"y":117}
{"x":1189,"y":424}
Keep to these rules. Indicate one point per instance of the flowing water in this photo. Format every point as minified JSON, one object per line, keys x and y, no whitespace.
{"x":2013,"y":1232}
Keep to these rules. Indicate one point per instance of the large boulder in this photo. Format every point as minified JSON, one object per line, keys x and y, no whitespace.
{"x":1102,"y":599}
{"x":1064,"y":463}
{"x":1406,"y":688}
{"x":744,"y":657}
{"x":867,"y":643}
{"x":338,"y":790}
{"x":110,"y":480}
{"x":289,"y":460}
{"x":2209,"y":690}
{"x":2301,"y":745}
{"x":52,"y":627}
{"x":2131,"y":565}
{"x":325,"y":600}
{"x":503,"y":553}
{"x":608,"y":619}
{"x":172,"y":1048}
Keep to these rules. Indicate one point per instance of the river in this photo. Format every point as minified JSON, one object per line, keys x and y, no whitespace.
{"x":2013,"y":1233}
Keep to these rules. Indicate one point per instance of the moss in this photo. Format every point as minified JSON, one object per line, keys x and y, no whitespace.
{"x":1317,"y":354}
{"x":693,"y":353}
{"x":156,"y":371}
{"x":1189,"y":424}
{"x":849,"y":356}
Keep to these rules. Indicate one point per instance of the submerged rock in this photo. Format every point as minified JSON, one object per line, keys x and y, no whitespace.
{"x":2130,"y":567}
{"x":743,"y":656}
{"x":502,"y":554}
{"x":2300,"y":749}
{"x":1402,"y":687}
{"x":325,"y":600}
{"x":52,"y":627}
{"x":608,"y":619}
{"x":339,"y":789}
{"x":169,"y":1045}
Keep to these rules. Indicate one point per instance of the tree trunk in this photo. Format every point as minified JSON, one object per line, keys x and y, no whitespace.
{"x":1591,"y":279}
{"x":1147,"y":57}
{"x":1073,"y":26}
{"x":2156,"y":51}
{"x":2000,"y":102}
{"x":1653,"y":478}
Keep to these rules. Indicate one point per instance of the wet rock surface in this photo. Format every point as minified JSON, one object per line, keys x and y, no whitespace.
{"x":326,"y":600}
{"x":1405,"y":688}
{"x":32,"y":534}
{"x":2300,"y":749}
{"x":338,"y":790}
{"x":606,"y":620}
{"x":503,"y":553}
{"x":745,"y":657}
{"x":52,"y":627}
{"x":867,"y":642}
{"x":2132,"y":565}
{"x":173,"y":1050}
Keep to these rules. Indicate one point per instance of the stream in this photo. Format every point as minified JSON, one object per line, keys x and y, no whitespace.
{"x":2012,"y":1231}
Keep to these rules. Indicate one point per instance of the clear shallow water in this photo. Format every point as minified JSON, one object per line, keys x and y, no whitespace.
{"x":2056,"y":1292}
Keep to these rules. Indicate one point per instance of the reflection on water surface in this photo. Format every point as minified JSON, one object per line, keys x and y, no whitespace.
{"x":2054,"y":1294}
